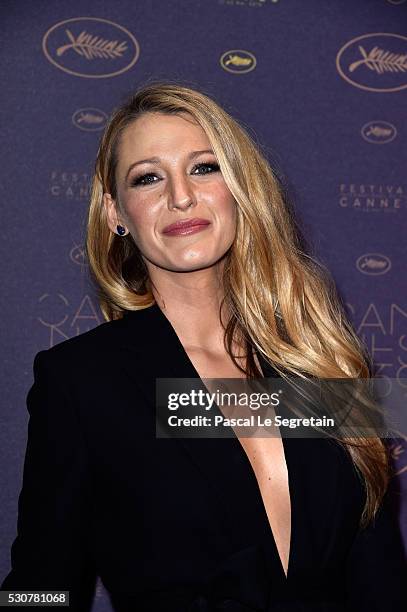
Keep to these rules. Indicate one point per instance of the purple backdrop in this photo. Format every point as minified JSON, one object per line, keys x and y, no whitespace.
{"x":321,"y":85}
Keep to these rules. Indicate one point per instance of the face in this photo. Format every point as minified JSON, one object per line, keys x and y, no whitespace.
{"x":182,"y":182}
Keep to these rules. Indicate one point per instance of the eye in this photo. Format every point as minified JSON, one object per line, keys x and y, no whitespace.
{"x":146,"y":179}
{"x":138,"y":180}
{"x":213,"y":167}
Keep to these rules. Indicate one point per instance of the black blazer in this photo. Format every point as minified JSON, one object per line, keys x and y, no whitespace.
{"x":179,"y":525}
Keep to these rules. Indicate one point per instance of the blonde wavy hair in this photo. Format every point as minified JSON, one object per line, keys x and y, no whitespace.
{"x":283,"y":301}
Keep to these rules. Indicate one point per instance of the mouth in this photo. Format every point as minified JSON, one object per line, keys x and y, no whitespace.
{"x":187,"y":226}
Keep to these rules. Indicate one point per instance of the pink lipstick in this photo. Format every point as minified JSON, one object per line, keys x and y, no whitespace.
{"x":186,"y":227}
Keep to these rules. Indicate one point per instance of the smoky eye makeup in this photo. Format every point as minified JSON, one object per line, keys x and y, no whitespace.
{"x":143,"y":179}
{"x":148,"y":178}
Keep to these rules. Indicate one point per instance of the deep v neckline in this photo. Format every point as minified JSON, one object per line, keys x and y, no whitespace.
{"x":265,"y":367}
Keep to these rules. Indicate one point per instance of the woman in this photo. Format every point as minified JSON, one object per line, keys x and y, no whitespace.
{"x":201,"y":274}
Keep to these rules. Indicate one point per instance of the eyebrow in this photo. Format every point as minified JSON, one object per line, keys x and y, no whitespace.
{"x":156,"y":160}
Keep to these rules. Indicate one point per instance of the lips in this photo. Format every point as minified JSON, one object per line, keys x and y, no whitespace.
{"x":179,"y":225}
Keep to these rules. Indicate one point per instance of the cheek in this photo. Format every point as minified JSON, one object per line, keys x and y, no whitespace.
{"x":141,"y":215}
{"x":221,"y":199}
{"x":228,"y":208}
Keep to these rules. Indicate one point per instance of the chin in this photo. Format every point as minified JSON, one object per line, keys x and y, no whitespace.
{"x":191,"y":264}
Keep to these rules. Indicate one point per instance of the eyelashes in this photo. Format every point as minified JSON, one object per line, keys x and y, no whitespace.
{"x":143,"y":179}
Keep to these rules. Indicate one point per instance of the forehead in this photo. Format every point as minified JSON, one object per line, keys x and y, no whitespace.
{"x":159,"y":134}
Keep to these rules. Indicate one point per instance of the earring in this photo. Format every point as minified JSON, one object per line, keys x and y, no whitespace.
{"x":121,"y":230}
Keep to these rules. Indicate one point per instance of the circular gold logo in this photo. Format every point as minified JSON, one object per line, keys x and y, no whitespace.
{"x":238,"y":61}
{"x":379,"y":132}
{"x":373,"y":264}
{"x":78,"y":255}
{"x":90,"y":47}
{"x":89,"y":119}
{"x":375,"y":62}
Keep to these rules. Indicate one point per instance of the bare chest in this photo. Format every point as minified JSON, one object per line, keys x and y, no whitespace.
{"x":266,"y":456}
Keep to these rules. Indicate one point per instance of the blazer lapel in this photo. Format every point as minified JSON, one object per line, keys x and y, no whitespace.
{"x":222,"y":461}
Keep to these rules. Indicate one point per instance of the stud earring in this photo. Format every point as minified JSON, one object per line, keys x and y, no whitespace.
{"x":121,"y":230}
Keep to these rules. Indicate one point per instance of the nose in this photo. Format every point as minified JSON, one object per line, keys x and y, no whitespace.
{"x":181,"y":194}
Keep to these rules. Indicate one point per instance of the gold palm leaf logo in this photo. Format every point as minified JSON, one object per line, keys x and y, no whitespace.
{"x":379,"y":132}
{"x":374,"y":62}
{"x":92,"y":47}
{"x":380,"y":61}
{"x":238,"y":61}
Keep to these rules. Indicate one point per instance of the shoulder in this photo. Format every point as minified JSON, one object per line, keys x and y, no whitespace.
{"x":91,"y":341}
{"x":97,"y":346}
{"x":85,"y":372}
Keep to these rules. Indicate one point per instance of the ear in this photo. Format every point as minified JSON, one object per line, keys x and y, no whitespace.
{"x":112,"y":217}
